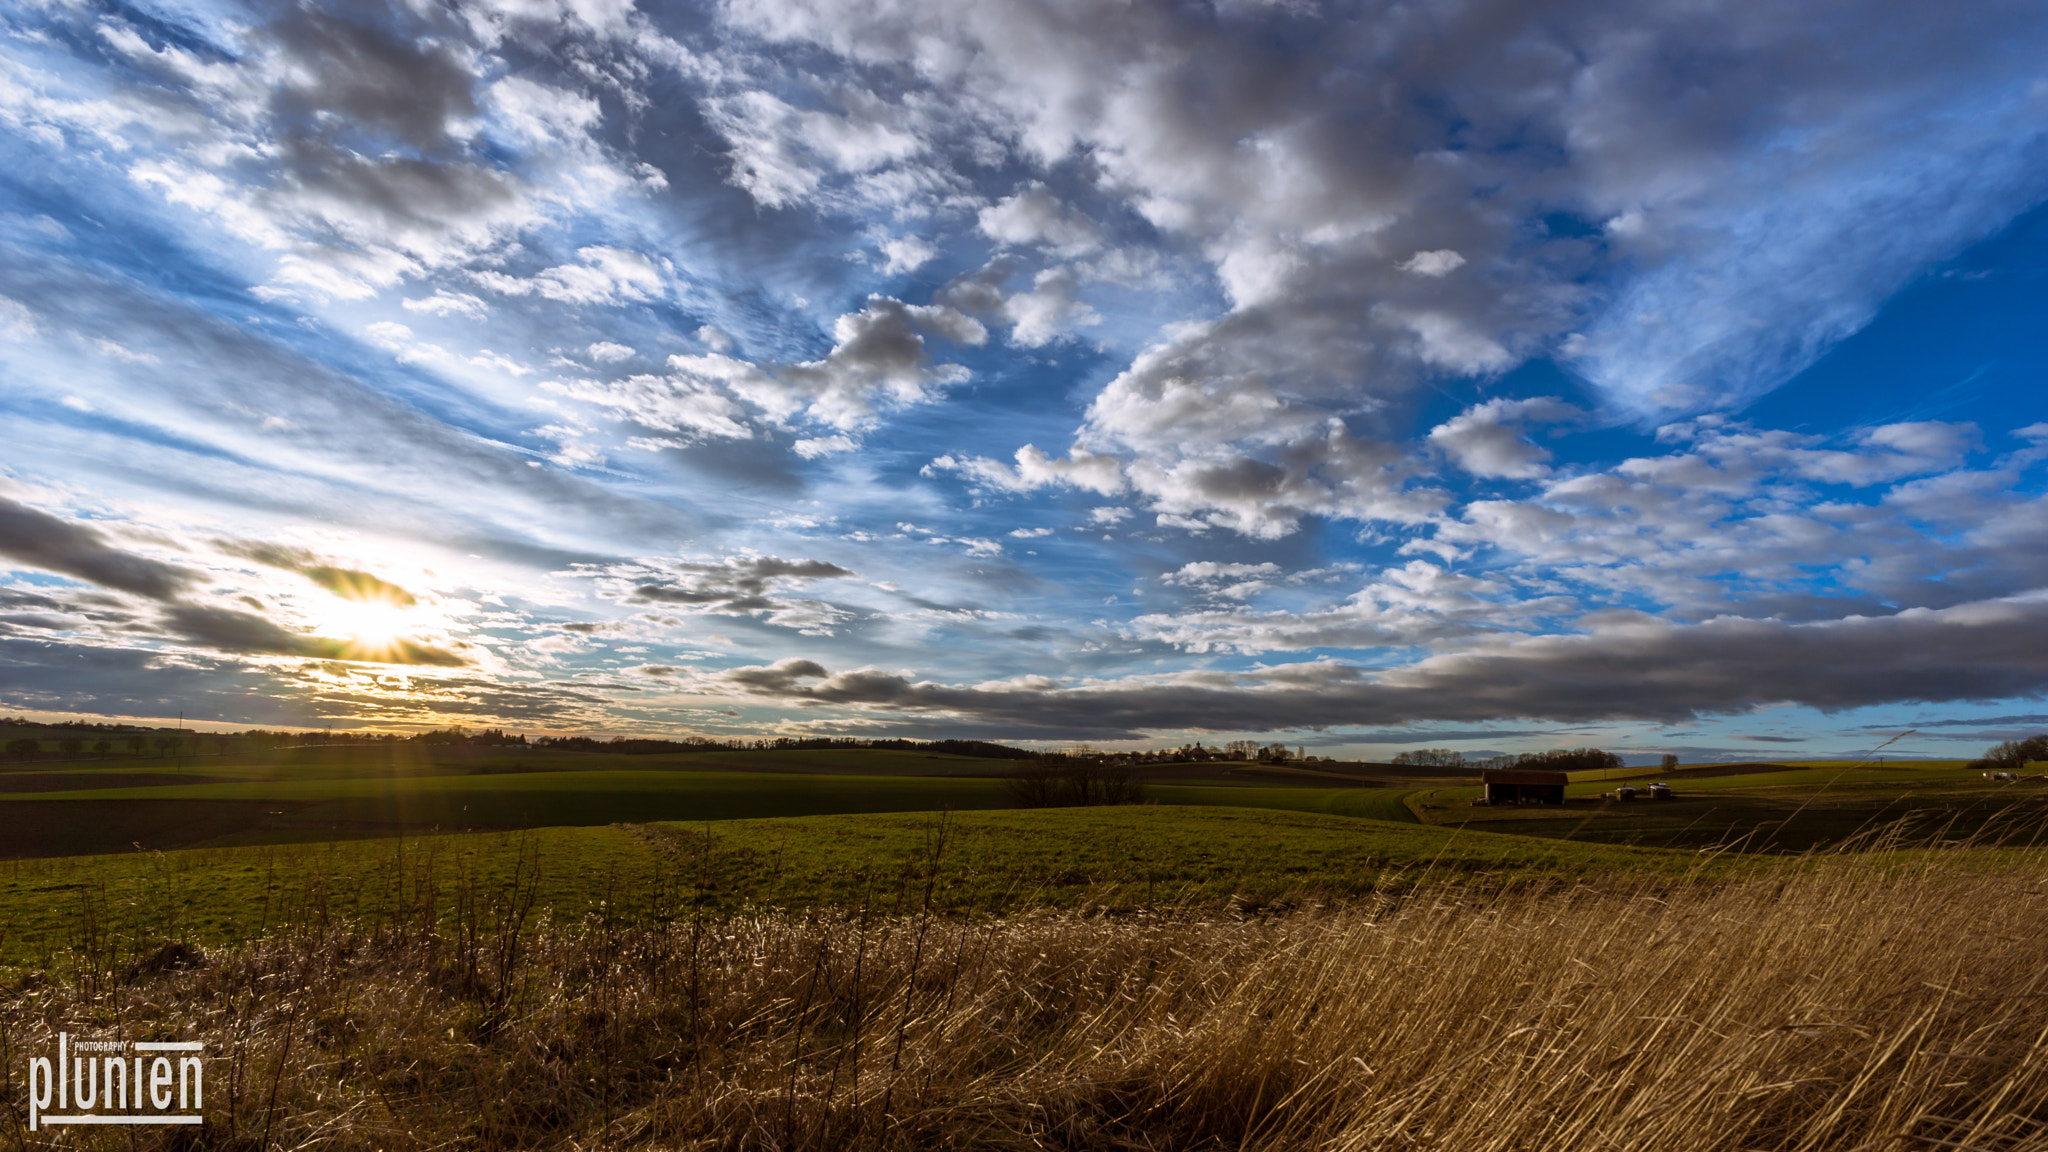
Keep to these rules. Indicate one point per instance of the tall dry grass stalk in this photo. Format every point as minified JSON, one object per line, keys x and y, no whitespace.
{"x":1873,"y":1002}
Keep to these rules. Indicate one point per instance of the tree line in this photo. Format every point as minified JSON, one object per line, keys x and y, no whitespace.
{"x":1555,"y":760}
{"x":73,"y":741}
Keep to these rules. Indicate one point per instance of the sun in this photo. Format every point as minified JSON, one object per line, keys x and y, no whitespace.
{"x":369,"y":625}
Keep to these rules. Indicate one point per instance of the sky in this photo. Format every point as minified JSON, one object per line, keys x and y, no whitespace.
{"x":1485,"y":375}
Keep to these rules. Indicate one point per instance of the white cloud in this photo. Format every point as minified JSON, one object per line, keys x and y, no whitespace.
{"x":16,"y":321}
{"x":607,"y":275}
{"x":115,"y":350}
{"x":605,"y":352}
{"x":906,"y":254}
{"x":1049,"y":310}
{"x":878,"y":358}
{"x":1035,"y":216}
{"x":446,"y":303}
{"x":782,"y":154}
{"x":1418,"y":603}
{"x":682,"y":402}
{"x":1200,"y":572}
{"x":1485,"y":441}
{"x":1101,"y":474}
{"x":1437,"y":262}
{"x":814,"y":447}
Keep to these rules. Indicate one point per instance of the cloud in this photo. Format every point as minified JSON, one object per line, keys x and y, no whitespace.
{"x":1034,"y":216}
{"x":1199,"y":572}
{"x":1484,"y":441}
{"x":906,"y":254}
{"x":446,"y":303}
{"x":1093,"y":472}
{"x":781,"y":153}
{"x":41,"y":540}
{"x":346,"y":144}
{"x":814,"y":447}
{"x":72,"y":549}
{"x":115,"y":350}
{"x":1419,"y":603}
{"x":16,"y":321}
{"x":244,"y":633}
{"x":879,"y":358}
{"x":347,"y":583}
{"x":606,"y":275}
{"x":1435,"y":263}
{"x":736,"y":586}
{"x":1683,"y":247}
{"x":1049,"y":310}
{"x":1237,"y":251}
{"x":690,"y":401}
{"x":1986,"y":650}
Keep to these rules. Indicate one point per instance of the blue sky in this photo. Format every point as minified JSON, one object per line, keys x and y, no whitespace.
{"x":1491,"y":376}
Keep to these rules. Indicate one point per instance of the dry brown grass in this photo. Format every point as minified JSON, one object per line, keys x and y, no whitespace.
{"x":1874,"y":1002}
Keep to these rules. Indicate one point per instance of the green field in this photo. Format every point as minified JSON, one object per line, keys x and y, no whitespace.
{"x":103,"y":858}
{"x":1794,"y":808}
{"x":1143,"y":855}
{"x":311,"y":794}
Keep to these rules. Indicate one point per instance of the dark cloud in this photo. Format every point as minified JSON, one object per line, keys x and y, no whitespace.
{"x":779,"y":679}
{"x":17,"y":599}
{"x":34,"y":622}
{"x":41,"y":540}
{"x":1428,"y":735}
{"x":347,"y":583}
{"x":1983,"y":651}
{"x":123,"y":681}
{"x":55,"y":677}
{"x":230,"y":630}
{"x":354,"y":76}
{"x":742,"y":586}
{"x":2027,"y":719}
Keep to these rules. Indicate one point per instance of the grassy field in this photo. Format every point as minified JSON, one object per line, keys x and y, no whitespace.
{"x":868,"y":949}
{"x":328,"y":793}
{"x":122,"y":906}
{"x":1792,"y":808}
{"x":1869,"y":1001}
{"x":111,"y":857}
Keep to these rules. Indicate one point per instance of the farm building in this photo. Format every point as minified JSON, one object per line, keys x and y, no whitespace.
{"x":1523,"y":786}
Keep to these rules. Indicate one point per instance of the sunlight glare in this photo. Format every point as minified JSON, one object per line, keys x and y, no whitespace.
{"x":372,"y":625}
